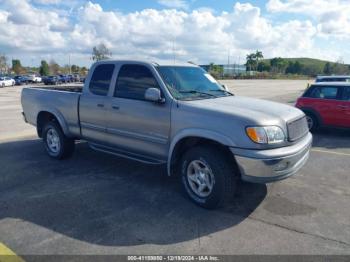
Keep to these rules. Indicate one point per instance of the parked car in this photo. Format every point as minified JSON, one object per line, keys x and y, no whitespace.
{"x":64,"y":78}
{"x":176,"y":115}
{"x":52,"y":80}
{"x":32,"y":78}
{"x":344,"y":78}
{"x":326,"y":104}
{"x":76,"y":78}
{"x":71,"y":78}
{"x":6,"y":81}
{"x":20,"y":80}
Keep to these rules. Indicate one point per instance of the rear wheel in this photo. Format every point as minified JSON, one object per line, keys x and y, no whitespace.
{"x":209,"y":176}
{"x":57,"y":145}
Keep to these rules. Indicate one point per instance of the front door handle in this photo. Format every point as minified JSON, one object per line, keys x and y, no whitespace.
{"x":115,"y":107}
{"x":100,"y":105}
{"x":342,"y":107}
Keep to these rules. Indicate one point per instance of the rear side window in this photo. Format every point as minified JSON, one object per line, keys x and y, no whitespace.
{"x":101,"y":79}
{"x":133,"y":80}
{"x":323,"y":92}
{"x":346,"y":94}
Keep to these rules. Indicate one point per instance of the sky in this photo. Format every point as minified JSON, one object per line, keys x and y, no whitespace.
{"x":201,"y":31}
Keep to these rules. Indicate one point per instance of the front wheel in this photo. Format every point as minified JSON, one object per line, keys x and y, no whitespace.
{"x":57,"y":145}
{"x":209,"y":176}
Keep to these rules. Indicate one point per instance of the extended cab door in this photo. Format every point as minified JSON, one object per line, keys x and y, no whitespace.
{"x":92,"y":108}
{"x":134,"y":124}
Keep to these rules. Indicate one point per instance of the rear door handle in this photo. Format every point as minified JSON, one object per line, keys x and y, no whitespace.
{"x":100,"y":105}
{"x":115,"y":107}
{"x":342,"y":107}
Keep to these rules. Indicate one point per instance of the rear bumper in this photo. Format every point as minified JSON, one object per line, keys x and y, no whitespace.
{"x":265,"y":166}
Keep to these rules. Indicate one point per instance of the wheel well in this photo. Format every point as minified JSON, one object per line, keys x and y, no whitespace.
{"x":43,"y":118}
{"x":314,"y":114}
{"x":186,"y":143}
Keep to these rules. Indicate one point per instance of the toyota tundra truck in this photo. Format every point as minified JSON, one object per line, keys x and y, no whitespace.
{"x":176,"y":115}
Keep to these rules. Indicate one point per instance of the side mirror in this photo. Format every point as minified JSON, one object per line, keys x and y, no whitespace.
{"x":153,"y":94}
{"x":225,"y":87}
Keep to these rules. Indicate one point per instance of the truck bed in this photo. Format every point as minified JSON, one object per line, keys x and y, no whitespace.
{"x":67,"y":88}
{"x":62,"y":101}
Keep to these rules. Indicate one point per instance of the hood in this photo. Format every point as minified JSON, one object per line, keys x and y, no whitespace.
{"x":255,"y":110}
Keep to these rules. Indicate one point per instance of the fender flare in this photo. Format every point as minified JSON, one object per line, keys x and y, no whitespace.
{"x":199,"y":133}
{"x":59,"y":117}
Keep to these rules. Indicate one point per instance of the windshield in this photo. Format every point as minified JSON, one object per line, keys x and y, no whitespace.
{"x":187,"y":83}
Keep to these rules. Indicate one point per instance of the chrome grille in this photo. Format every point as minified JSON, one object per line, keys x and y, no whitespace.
{"x":297,"y":129}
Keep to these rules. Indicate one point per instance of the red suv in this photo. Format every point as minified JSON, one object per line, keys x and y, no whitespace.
{"x":326,"y":104}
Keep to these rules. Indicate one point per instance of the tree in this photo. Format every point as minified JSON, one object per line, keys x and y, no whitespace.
{"x":100,"y":52}
{"x":312,"y":70}
{"x":216,"y":70}
{"x":278,"y":65}
{"x":54,"y":67}
{"x":258,"y":55}
{"x":250,"y":62}
{"x":263,"y":67}
{"x":17,"y":67}
{"x":75,"y":68}
{"x":3,"y":64}
{"x":294,"y":68}
{"x":84,"y":70}
{"x":327,"y":68}
{"x":44,"y":68}
{"x":339,"y":68}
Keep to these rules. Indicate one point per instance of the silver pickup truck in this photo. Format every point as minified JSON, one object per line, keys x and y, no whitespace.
{"x":177,"y":115}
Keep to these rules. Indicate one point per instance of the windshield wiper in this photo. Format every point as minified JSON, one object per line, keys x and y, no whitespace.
{"x":196,"y":92}
{"x":221,"y":90}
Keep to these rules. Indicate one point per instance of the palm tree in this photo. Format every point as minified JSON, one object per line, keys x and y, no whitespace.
{"x":250,"y":61}
{"x":258,"y":55}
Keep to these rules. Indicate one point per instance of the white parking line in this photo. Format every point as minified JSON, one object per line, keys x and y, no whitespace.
{"x":330,"y":152}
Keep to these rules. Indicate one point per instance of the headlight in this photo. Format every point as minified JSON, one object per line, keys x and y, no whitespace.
{"x":266,"y":134}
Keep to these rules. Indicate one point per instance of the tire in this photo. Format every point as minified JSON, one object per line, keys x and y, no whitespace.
{"x":57,"y":145}
{"x":312,"y":121}
{"x":222,"y":175}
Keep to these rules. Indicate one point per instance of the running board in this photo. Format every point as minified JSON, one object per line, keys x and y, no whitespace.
{"x":128,"y":155}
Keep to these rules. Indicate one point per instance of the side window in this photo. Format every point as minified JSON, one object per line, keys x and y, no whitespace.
{"x":346,"y":93}
{"x":133,"y":80}
{"x":101,"y":78}
{"x":324,"y":92}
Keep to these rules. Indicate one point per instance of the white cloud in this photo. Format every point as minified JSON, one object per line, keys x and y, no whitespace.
{"x":200,"y":35}
{"x":48,"y":2}
{"x":332,"y":17}
{"x":178,"y":4}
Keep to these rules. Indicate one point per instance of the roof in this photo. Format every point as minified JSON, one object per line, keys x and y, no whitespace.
{"x":152,"y":62}
{"x":331,"y":84}
{"x":333,"y":76}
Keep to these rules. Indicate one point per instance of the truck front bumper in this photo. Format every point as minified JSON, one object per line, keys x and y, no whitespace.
{"x":265,"y":166}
